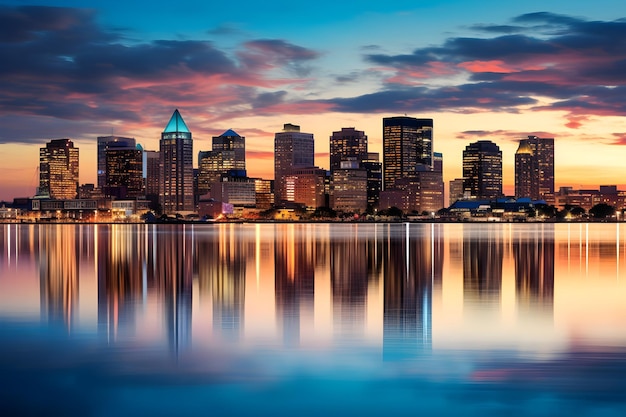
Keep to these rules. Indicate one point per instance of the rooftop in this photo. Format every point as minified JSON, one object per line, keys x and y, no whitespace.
{"x":176,"y":124}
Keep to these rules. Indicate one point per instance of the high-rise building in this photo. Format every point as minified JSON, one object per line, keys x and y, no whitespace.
{"x":534,"y":169}
{"x":482,"y":170}
{"x":124,"y":170}
{"x":153,"y":172}
{"x":407,"y":148}
{"x":228,"y":156}
{"x":347,"y":144}
{"x":176,"y":179}
{"x":349,"y":189}
{"x":374,"y":178}
{"x":58,"y":170}
{"x":103,"y":143}
{"x":230,"y":141}
{"x":292,"y":150}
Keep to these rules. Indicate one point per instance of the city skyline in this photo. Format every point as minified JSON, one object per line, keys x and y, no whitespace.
{"x":515,"y":71}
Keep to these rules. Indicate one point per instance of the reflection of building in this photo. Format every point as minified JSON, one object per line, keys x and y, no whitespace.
{"x":58,"y":274}
{"x":482,"y":266}
{"x":534,"y":269}
{"x":408,"y":278}
{"x":121,"y":274}
{"x":482,"y":170}
{"x":294,"y":259}
{"x":292,"y":149}
{"x":176,"y":179}
{"x":174,"y":275}
{"x":349,"y":261}
{"x":58,"y":170}
{"x":222,"y":274}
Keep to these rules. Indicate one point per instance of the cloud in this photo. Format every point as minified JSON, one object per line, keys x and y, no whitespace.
{"x":510,"y":135}
{"x":542,"y":61}
{"x":272,"y":53}
{"x":620,"y":139}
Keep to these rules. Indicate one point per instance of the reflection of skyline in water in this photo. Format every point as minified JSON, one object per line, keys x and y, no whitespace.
{"x":408,"y":273}
{"x":294,"y":259}
{"x":398,"y":281}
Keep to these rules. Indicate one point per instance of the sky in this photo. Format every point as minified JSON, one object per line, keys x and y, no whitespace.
{"x":481,"y":69}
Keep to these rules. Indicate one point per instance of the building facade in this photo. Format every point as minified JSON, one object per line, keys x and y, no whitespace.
{"x":103,"y":144}
{"x":407,"y":148}
{"x":482,"y":170}
{"x":176,"y":179}
{"x":58,"y":170}
{"x":347,"y":144}
{"x":306,"y":187}
{"x":349,"y":188}
{"x":124,"y":170}
{"x":293,"y":149}
{"x":534,"y":169}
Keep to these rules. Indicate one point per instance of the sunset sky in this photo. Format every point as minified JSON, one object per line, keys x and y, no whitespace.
{"x":481,"y":69}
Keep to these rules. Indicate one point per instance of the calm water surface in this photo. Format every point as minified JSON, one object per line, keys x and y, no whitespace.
{"x":305,"y":319}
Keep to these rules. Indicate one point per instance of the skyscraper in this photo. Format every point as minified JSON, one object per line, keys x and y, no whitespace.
{"x":482,"y":170}
{"x":407,"y":148}
{"x":228,"y":155}
{"x":534,"y":169}
{"x":176,"y":180}
{"x":58,"y":169}
{"x":292,"y":149}
{"x":153,"y":173}
{"x":124,"y":170}
{"x":231,"y":141}
{"x":103,"y":143}
{"x":347,"y":144}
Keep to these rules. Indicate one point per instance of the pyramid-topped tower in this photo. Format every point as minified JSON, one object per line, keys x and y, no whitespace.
{"x":176,"y":176}
{"x":176,"y":124}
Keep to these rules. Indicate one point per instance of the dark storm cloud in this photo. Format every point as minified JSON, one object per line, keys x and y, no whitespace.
{"x":579,"y":64}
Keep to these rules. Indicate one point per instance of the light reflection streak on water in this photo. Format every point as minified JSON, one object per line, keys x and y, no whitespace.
{"x":556,"y":312}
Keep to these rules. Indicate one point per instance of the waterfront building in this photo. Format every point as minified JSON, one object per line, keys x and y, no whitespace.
{"x":152,"y":175}
{"x":305,"y":186}
{"x":58,"y":170}
{"x":456,"y":190}
{"x":103,"y":144}
{"x":264,"y":191}
{"x":124,"y":170}
{"x":176,"y":179}
{"x":235,"y":145}
{"x":240,"y":192}
{"x":407,"y":148}
{"x":228,"y":154}
{"x":347,"y":144}
{"x":482,"y":170}
{"x":534,"y":169}
{"x":293,"y":150}
{"x":349,"y":188}
{"x":374,"y":169}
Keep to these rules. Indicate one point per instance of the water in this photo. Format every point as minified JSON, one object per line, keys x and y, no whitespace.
{"x":310,"y":319}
